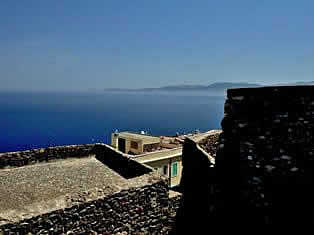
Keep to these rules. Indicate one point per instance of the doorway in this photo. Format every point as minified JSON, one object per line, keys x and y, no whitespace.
{"x":121,"y":145}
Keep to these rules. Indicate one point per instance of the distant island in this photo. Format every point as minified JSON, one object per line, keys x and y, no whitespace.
{"x":218,"y":86}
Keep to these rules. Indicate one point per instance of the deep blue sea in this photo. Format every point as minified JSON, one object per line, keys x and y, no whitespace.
{"x":33,"y":120}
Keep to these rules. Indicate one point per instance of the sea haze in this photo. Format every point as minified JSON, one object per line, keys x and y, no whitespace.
{"x":34,"y":120}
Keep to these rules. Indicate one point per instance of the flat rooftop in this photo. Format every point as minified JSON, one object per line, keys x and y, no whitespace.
{"x":147,"y":139}
{"x":158,"y":155}
{"x":36,"y":189}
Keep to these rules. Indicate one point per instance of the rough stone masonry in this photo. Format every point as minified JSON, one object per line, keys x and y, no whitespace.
{"x":84,"y":195}
{"x":268,"y":134}
{"x":263,"y":177}
{"x":34,"y":156}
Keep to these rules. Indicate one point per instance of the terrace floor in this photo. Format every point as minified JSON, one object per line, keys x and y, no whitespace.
{"x":36,"y":189}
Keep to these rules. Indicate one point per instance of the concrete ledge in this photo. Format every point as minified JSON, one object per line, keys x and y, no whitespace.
{"x":158,"y":155}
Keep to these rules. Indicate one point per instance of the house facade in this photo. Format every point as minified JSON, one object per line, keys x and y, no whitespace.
{"x":164,"y":153}
{"x":160,"y":153}
{"x":167,"y":162}
{"x":133,"y":143}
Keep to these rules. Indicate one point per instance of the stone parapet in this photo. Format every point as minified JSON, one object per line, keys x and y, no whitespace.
{"x":138,"y":203}
{"x":23,"y":158}
{"x":143,"y":210}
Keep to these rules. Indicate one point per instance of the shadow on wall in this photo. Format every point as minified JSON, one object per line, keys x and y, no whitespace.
{"x":196,"y":184}
{"x":124,"y":166}
{"x":263,"y":177}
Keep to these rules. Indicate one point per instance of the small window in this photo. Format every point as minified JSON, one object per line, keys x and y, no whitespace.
{"x":165,"y":170}
{"x":174,"y":170}
{"x":134,"y":145}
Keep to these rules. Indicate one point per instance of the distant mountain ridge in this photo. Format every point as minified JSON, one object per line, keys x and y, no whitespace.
{"x":215,"y":86}
{"x":218,"y":86}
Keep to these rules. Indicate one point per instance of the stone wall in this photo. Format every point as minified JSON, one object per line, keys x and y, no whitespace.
{"x":198,"y":187}
{"x":268,"y":132}
{"x":122,"y":163}
{"x":263,"y":173}
{"x":22,"y":158}
{"x":142,"y":206}
{"x":144,"y":210}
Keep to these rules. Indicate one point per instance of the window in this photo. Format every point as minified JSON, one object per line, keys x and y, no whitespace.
{"x":174,"y":170}
{"x":134,"y":145}
{"x":165,"y":170}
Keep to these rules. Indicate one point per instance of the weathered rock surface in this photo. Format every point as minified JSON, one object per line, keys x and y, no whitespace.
{"x":263,"y":174}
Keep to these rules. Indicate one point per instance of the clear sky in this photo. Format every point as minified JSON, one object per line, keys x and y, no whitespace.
{"x":80,"y":44}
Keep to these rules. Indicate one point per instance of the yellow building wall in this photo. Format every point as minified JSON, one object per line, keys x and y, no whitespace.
{"x":114,"y":143}
{"x":175,"y":180}
{"x":159,"y":164}
{"x":139,"y":150}
{"x":114,"y":140}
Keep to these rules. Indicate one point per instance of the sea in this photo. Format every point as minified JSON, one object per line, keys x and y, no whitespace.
{"x":31,"y":120}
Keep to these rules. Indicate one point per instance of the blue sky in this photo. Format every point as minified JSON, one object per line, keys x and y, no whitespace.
{"x":81,"y":45}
